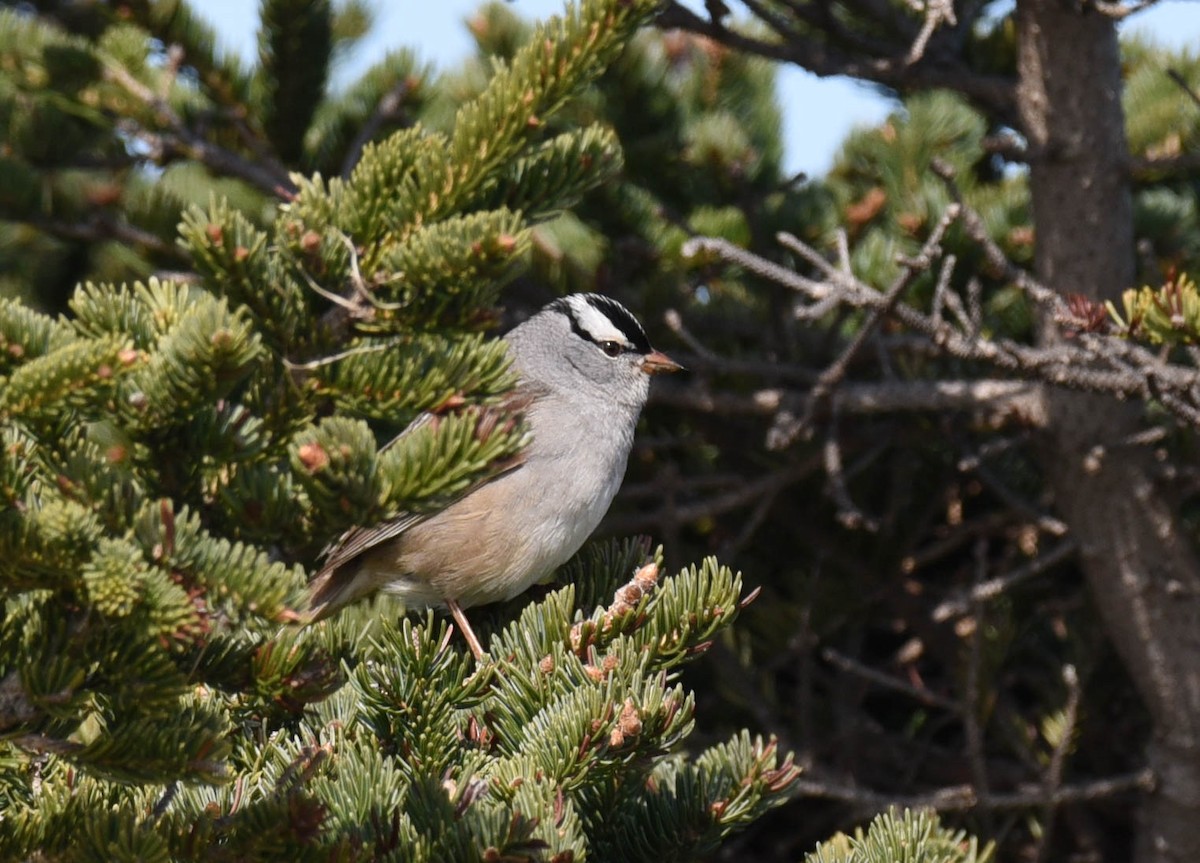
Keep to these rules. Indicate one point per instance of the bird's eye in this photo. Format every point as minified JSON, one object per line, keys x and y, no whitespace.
{"x":611,"y":348}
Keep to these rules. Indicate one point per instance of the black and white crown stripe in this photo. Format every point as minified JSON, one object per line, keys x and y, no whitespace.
{"x":599,"y":319}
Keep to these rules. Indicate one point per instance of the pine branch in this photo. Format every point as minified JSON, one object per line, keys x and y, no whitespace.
{"x":295,"y":47}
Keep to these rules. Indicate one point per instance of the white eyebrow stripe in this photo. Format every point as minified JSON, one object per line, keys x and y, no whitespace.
{"x":595,"y":323}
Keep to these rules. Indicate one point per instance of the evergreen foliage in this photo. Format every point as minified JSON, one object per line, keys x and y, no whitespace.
{"x":177,"y":449}
{"x":1169,"y":314}
{"x":180,"y":443}
{"x":905,"y":837}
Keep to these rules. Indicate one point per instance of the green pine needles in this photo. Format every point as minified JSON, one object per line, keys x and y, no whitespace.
{"x":175,"y":452}
{"x":902,"y":837}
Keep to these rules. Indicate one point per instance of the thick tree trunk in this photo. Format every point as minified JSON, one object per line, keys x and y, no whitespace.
{"x":1142,"y":571}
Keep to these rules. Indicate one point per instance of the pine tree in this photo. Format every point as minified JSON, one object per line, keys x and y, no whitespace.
{"x":178,"y":448}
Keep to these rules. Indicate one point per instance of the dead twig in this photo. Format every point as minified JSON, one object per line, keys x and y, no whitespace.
{"x":1089,"y":362}
{"x":745,"y":495}
{"x":178,"y":138}
{"x":937,"y":13}
{"x":991,"y":402}
{"x":1119,"y":11}
{"x":389,"y":110}
{"x":973,"y":706}
{"x":887,"y":681}
{"x":990,"y":588}
{"x":911,"y":268}
{"x":1058,"y":757}
{"x":962,"y":798}
{"x":849,"y":514}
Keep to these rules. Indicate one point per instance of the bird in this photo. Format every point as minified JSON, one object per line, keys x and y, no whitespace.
{"x":583,"y":365}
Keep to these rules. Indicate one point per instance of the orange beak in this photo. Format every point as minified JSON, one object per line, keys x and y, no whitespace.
{"x":658,"y":363}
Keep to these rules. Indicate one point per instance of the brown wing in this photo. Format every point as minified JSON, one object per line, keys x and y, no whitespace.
{"x":334,"y":585}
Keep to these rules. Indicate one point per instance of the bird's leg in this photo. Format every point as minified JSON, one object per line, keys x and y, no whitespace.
{"x":468,"y":633}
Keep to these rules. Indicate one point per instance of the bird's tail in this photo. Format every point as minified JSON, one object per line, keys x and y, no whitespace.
{"x":331,"y":589}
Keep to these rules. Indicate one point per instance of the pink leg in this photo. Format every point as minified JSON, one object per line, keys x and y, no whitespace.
{"x":468,"y":633}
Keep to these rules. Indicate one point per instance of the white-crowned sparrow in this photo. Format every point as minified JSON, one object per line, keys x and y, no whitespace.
{"x":584,"y":366}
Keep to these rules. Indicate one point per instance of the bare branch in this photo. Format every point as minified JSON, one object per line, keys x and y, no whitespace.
{"x":1058,"y":758}
{"x":973,"y":708}
{"x":995,"y":93}
{"x":940,"y":289}
{"x":758,"y":266}
{"x":910,"y":269}
{"x":1045,"y":523}
{"x":266,"y":174}
{"x":1118,"y":10}
{"x":888,"y":681}
{"x":744,"y":495}
{"x":849,"y":513}
{"x":703,"y":358}
{"x":1089,"y":362}
{"x":43,"y":744}
{"x":994,"y":402}
{"x":996,"y":258}
{"x":962,"y":798}
{"x":1145,"y":167}
{"x":1177,"y":76}
{"x":101,"y":226}
{"x":937,"y":12}
{"x":990,"y":588}
{"x":389,"y":110}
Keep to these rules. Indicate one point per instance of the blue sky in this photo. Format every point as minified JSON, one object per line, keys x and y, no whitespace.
{"x":817,"y":112}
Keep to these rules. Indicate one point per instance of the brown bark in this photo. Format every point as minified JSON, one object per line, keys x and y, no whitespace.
{"x":1142,"y":572}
